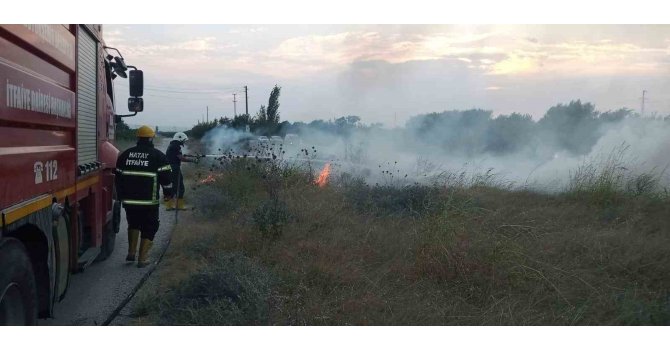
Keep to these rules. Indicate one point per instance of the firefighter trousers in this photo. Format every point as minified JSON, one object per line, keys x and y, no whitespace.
{"x":143,"y":218}
{"x":177,"y":183}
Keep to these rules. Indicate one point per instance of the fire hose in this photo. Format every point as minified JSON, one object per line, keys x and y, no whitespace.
{"x":256,"y":156}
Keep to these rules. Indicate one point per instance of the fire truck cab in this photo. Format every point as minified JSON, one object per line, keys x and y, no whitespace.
{"x":57,"y":199}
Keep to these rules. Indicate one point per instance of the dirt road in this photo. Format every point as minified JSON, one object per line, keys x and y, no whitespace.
{"x":94,"y":294}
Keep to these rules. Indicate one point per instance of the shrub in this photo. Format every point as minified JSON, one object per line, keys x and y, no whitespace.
{"x":413,"y":199}
{"x":231,"y":290}
{"x":215,"y":204}
{"x":270,"y":217}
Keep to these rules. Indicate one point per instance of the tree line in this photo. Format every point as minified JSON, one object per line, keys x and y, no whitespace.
{"x":574,"y":127}
{"x":265,"y":122}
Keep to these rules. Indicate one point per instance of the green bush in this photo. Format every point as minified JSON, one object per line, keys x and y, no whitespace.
{"x":231,"y":290}
{"x":412,"y":199}
{"x":123,"y":132}
{"x":270,"y":217}
{"x":216,"y":203}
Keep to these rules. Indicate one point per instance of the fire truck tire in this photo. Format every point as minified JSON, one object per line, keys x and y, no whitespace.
{"x":18,"y":292}
{"x":62,"y":255}
{"x":108,"y":242}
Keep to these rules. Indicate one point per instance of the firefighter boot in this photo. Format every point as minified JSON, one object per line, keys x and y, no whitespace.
{"x":133,"y":237}
{"x":181,"y":204}
{"x":145,"y":246}
{"x":169,"y":204}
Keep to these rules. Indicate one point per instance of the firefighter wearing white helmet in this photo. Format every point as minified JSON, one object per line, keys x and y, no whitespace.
{"x":180,"y":136}
{"x":175,"y":157}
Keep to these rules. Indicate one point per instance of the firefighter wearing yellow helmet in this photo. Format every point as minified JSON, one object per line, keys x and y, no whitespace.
{"x":140,"y":171}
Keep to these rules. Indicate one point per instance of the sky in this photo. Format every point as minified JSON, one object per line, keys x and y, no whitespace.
{"x":388,"y":73}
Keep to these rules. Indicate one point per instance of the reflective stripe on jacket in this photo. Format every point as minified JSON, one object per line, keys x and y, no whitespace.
{"x":139,"y":172}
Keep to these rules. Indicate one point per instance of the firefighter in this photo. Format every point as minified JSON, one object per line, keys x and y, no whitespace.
{"x":175,"y":157}
{"x":139,"y":172}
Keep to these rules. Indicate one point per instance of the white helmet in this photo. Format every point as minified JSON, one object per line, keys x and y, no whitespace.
{"x":180,"y":136}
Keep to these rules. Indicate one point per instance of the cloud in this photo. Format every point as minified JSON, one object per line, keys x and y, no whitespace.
{"x":338,"y":70}
{"x":190,"y":47}
{"x":491,"y":51}
{"x":582,"y":58}
{"x":113,"y":36}
{"x":341,"y":48}
{"x":515,"y":64}
{"x":498,"y":52}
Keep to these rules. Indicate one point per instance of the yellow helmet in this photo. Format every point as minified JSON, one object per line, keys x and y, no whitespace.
{"x":146,"y":131}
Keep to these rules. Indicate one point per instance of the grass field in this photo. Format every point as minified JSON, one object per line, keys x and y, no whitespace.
{"x":266,"y":246}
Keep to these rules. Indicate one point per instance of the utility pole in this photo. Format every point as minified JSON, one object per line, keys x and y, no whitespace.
{"x":644,"y":92}
{"x":246,"y":99}
{"x":208,"y":114}
{"x":234,"y":105}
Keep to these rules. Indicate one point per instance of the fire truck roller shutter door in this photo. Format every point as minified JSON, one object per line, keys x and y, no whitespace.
{"x":87,"y":107}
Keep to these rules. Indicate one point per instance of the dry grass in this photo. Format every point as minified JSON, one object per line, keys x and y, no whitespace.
{"x":612,"y":177}
{"x":354,"y":254}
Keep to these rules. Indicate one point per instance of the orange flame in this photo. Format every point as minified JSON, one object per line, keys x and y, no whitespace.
{"x":209,"y":179}
{"x":322,"y":180}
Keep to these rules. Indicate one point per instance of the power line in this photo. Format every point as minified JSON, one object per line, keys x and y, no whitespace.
{"x":202,"y":98}
{"x":226,"y":88}
{"x":179,"y":91}
{"x":190,"y":92}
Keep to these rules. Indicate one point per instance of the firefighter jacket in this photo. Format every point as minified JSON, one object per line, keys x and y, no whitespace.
{"x":173,"y":152}
{"x":139,"y":172}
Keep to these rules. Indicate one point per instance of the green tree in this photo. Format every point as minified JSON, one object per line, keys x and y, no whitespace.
{"x":199,"y":130}
{"x":123,"y":131}
{"x":616,"y":116}
{"x":509,"y":133}
{"x":241,"y":121}
{"x":273,"y":106}
{"x":572,"y":126}
{"x":262,"y":118}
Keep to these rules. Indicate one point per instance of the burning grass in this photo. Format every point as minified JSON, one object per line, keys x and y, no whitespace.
{"x":322,"y":179}
{"x":458,"y":252}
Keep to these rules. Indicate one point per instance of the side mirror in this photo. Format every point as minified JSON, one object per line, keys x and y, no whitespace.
{"x":136,"y":83}
{"x":135,"y":104}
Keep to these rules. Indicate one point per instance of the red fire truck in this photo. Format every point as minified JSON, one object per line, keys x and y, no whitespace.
{"x":57,"y":199}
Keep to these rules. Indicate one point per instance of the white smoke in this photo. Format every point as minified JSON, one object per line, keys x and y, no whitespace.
{"x":223,"y":139}
{"x":384,"y":155}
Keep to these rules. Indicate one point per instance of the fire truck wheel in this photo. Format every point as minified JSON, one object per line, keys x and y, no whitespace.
{"x":108,"y":242}
{"x":62,"y":256}
{"x":18,"y":292}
